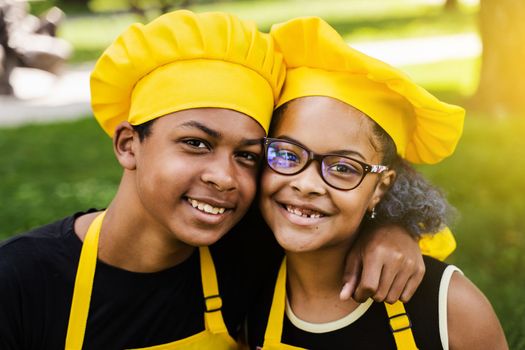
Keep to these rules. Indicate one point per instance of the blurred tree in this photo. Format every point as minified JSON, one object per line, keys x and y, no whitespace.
{"x":502,"y":86}
{"x":141,"y":7}
{"x":451,"y":5}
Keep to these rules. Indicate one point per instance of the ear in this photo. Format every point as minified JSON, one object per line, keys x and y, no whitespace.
{"x":125,"y":144}
{"x":383,"y":185}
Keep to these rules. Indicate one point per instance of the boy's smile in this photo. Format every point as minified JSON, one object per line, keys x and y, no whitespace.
{"x":194,"y":176}
{"x":206,"y":207}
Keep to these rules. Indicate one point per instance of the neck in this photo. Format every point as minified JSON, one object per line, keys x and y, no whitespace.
{"x":314,"y":282}
{"x":128,"y":239}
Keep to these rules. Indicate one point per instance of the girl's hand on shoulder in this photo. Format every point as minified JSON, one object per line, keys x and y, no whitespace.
{"x":384,"y":264}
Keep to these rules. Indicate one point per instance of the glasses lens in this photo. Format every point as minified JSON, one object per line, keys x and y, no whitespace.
{"x":342,"y":172}
{"x":286,"y":158}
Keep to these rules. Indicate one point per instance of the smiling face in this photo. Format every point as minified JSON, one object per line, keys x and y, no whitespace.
{"x":304,"y":212}
{"x":194,"y":176}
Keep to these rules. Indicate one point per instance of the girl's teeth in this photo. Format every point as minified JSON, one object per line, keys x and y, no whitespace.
{"x":298,"y":212}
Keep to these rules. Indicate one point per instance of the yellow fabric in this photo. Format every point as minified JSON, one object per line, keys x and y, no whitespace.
{"x":320,"y":63}
{"x":183,"y":60}
{"x":274,"y":328}
{"x":83,"y":286}
{"x":214,"y":337}
{"x":439,"y":245}
{"x":272,"y":338}
{"x":401,"y":327}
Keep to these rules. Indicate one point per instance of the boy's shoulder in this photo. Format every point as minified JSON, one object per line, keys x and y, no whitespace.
{"x":36,"y":235}
{"x":38,"y":244}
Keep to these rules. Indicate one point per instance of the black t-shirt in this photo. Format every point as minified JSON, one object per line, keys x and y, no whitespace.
{"x":371,"y":330}
{"x":127,"y":310}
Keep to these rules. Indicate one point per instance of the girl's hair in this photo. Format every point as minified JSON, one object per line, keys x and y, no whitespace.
{"x":412,"y":202}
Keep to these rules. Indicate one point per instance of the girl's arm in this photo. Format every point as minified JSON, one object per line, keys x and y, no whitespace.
{"x":472,"y":322}
{"x":386,"y":263}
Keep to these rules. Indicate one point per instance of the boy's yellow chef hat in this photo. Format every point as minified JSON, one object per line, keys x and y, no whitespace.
{"x":320,"y":63}
{"x":183,"y":60}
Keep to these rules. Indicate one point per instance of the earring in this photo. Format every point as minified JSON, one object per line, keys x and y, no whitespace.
{"x":373,"y":213}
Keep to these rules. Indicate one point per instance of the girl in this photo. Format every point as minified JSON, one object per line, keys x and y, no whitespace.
{"x":334,"y":166}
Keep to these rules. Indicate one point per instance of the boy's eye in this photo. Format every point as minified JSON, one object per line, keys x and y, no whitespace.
{"x":196,"y":143}
{"x":249,"y":157}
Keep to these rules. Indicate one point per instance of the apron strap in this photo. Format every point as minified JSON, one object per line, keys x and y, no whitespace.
{"x":213,"y":303}
{"x":83,"y":286}
{"x":399,"y":321}
{"x":274,"y":327}
{"x":401,"y":326}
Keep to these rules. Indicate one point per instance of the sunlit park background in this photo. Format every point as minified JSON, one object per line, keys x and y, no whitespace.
{"x":465,"y":52}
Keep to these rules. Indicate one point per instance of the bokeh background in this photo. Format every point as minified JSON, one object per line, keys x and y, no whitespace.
{"x":467,"y":52}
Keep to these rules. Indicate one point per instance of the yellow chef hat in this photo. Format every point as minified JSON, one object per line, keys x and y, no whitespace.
{"x":183,"y":60}
{"x":320,"y":63}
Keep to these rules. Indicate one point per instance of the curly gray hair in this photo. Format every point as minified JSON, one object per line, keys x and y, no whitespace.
{"x":412,"y":202}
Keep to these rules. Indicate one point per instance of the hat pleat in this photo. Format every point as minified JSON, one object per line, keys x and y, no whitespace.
{"x":320,"y":63}
{"x":159,"y":68}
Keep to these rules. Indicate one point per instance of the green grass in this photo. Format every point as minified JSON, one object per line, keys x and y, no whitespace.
{"x":50,"y":171}
{"x":484,"y":180}
{"x":452,"y":80}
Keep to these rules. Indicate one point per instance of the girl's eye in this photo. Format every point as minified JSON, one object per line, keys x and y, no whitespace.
{"x":287,"y":156}
{"x":343,"y":169}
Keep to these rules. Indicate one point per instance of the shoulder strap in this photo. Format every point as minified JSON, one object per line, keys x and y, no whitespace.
{"x":401,"y":326}
{"x":83,"y":286}
{"x":274,"y":327}
{"x":212,"y":315}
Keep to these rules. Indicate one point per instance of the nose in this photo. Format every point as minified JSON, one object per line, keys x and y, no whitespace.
{"x":309,"y":182}
{"x":220,"y":174}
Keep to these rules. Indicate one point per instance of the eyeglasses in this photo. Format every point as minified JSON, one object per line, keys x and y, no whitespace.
{"x":341,"y":172}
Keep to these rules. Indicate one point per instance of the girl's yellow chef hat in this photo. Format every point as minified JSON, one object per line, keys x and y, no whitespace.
{"x":183,"y":60}
{"x":320,"y":63}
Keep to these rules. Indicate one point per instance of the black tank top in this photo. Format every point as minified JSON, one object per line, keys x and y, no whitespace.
{"x":371,"y":330}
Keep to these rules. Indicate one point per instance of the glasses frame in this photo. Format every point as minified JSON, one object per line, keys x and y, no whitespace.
{"x":367,"y":168}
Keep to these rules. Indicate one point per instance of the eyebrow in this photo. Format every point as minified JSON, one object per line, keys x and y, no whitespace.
{"x":342,"y":152}
{"x":252,"y":142}
{"x":217,"y":134}
{"x":202,"y":127}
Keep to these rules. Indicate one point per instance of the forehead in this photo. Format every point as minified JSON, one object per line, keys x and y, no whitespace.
{"x":217,"y":122}
{"x":325,"y":124}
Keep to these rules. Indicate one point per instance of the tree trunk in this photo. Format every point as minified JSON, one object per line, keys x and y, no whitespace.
{"x":502,"y":81}
{"x":451,"y":5}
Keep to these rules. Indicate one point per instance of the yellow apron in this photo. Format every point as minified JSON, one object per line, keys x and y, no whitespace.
{"x":215,"y":336}
{"x":399,"y":321}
